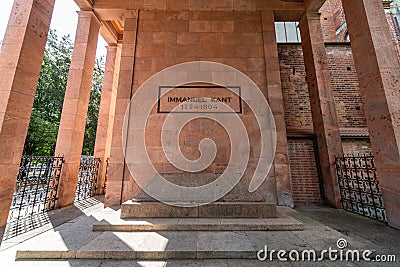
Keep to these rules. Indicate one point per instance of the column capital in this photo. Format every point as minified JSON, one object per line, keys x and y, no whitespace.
{"x":130,"y":14}
{"x":111,"y":47}
{"x":87,"y":14}
{"x":309,"y":15}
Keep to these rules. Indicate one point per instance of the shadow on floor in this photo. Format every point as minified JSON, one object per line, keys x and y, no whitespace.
{"x":31,"y":225}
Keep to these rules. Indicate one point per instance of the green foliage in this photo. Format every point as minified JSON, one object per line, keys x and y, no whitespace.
{"x":47,"y":107}
{"x":94,"y":106}
{"x":46,"y":112}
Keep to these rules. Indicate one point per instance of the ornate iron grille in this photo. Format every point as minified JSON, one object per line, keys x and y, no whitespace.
{"x":106,"y":177}
{"x":87,"y":178}
{"x":35,"y":191}
{"x":359,"y":187}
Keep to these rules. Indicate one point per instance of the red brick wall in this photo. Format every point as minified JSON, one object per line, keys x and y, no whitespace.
{"x":332,"y":17}
{"x":294,"y":87}
{"x":346,"y":91}
{"x":344,"y":80}
{"x":349,"y":107}
{"x":304,"y":172}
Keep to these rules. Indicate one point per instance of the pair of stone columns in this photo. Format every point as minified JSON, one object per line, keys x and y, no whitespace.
{"x":20,"y":62}
{"x":378,"y":74}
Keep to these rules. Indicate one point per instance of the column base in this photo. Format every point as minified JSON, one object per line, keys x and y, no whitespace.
{"x":2,"y":229}
{"x":391,"y":201}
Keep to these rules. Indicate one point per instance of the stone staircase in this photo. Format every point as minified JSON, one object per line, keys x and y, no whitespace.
{"x":111,"y":236}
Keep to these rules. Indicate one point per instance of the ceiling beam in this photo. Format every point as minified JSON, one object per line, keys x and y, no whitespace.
{"x":248,"y":5}
{"x":314,"y":5}
{"x":108,"y":32}
{"x":114,"y":13}
{"x":84,"y":4}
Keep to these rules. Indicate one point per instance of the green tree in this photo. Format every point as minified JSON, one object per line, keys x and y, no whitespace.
{"x":47,"y":107}
{"x":46,"y":112}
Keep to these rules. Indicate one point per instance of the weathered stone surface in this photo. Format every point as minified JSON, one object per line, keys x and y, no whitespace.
{"x":76,"y":101}
{"x":275,"y":98}
{"x":378,"y":73}
{"x":322,"y":104}
{"x":20,"y":62}
{"x":124,"y":93}
{"x":102,"y":148}
{"x":131,"y":209}
{"x":165,"y":38}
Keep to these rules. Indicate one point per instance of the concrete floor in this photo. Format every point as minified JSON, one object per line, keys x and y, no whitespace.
{"x":71,"y":228}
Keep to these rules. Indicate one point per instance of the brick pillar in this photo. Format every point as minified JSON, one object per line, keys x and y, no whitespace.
{"x":322,"y":104}
{"x":378,"y":73}
{"x":105,"y":122}
{"x":275,"y":100}
{"x":116,"y":166}
{"x":21,"y":58}
{"x":76,"y":101}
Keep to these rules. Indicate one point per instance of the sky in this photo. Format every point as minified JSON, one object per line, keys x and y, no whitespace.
{"x":64,"y":20}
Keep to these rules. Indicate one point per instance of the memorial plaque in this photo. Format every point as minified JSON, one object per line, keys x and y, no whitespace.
{"x":199,"y":99}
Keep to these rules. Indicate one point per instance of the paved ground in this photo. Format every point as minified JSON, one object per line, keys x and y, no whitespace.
{"x":71,"y":229}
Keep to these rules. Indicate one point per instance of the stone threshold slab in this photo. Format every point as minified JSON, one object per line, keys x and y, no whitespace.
{"x":149,"y":255}
{"x":135,"y":255}
{"x":273,"y":224}
{"x":139,"y":255}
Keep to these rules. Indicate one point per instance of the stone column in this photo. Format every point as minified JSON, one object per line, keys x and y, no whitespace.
{"x":117,"y":163}
{"x":378,"y":73}
{"x":105,"y":122}
{"x":322,"y":104}
{"x":76,"y":101}
{"x":275,"y":100}
{"x":21,"y":58}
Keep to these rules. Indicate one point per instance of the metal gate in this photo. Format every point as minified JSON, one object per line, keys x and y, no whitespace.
{"x":87,"y":178}
{"x":359,"y":187}
{"x":35,"y":192}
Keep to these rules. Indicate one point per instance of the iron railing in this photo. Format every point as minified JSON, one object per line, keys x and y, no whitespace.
{"x":35,"y":190}
{"x":359,"y":186}
{"x":87,"y":178}
{"x":106,"y":175}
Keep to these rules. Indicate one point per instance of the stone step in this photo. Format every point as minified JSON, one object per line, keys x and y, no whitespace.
{"x":134,"y":255}
{"x":165,"y":245}
{"x":143,"y":209}
{"x":200,"y":224}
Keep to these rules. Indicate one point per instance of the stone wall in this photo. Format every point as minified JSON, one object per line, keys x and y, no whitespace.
{"x":166,"y":38}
